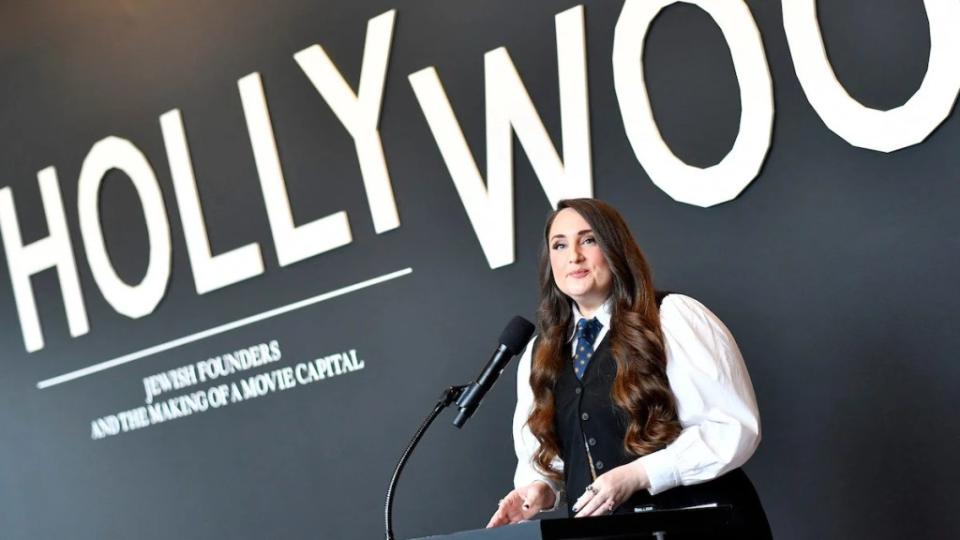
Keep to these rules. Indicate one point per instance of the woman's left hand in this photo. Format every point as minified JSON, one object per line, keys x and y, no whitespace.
{"x":611,"y":489}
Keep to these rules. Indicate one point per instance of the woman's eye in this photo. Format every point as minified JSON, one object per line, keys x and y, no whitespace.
{"x":589,"y":241}
{"x":559,"y":245}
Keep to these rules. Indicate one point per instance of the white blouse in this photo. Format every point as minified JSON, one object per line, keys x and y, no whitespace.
{"x":715,"y":401}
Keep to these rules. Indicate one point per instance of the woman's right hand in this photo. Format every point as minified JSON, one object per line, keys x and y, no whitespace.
{"x":523,"y":503}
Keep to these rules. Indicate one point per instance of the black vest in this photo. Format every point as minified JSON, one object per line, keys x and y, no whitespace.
{"x":586,"y":417}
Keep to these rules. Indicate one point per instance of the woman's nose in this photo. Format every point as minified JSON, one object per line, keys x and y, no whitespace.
{"x":575,"y":254}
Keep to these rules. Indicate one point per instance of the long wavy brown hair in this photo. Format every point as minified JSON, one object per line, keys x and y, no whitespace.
{"x":640,"y":388}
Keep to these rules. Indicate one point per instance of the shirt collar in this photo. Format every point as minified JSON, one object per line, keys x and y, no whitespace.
{"x":602,"y":315}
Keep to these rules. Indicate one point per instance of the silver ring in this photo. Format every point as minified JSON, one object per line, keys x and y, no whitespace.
{"x":592,"y":489}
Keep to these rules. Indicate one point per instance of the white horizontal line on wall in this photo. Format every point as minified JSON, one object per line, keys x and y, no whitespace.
{"x":120,"y":360}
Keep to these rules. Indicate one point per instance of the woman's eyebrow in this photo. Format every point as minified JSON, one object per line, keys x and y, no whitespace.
{"x":579,"y":233}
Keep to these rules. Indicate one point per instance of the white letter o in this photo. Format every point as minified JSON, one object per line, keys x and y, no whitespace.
{"x":685,"y":183}
{"x":861,"y":126}
{"x":134,"y":301}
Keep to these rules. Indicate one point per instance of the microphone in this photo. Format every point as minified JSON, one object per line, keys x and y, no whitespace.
{"x":512,"y":341}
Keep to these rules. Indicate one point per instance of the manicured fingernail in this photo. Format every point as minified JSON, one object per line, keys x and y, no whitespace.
{"x":575,"y":509}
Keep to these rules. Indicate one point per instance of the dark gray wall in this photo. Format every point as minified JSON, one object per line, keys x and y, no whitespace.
{"x":834,"y":269}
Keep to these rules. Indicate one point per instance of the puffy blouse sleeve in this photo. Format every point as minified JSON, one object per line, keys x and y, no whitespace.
{"x":715,"y":399}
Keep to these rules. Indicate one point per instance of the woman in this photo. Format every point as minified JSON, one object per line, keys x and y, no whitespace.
{"x":623,"y":403}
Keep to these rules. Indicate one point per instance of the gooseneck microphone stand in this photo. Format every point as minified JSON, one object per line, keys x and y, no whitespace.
{"x":468,"y":396}
{"x":449,"y":396}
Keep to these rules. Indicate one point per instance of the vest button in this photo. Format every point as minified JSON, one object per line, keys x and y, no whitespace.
{"x":584,"y":416}
{"x":577,"y":390}
{"x":599,"y":465}
{"x":592,"y":441}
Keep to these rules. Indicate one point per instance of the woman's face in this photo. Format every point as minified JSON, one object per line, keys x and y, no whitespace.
{"x":579,"y":267}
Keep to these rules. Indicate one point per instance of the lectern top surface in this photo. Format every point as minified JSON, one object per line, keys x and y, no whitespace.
{"x":677,"y":523}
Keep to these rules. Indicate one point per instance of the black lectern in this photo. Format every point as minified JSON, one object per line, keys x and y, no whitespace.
{"x":682,"y":524}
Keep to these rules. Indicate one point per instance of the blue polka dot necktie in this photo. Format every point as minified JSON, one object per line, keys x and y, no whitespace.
{"x":587,"y":331}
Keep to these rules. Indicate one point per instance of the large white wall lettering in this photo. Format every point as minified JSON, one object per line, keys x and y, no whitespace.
{"x":360,"y":112}
{"x":488,"y":202}
{"x":294,"y":242}
{"x":884,"y":131}
{"x":509,"y":109}
{"x":210,"y":272}
{"x":138,"y":300}
{"x":54,"y":251}
{"x":686,"y":183}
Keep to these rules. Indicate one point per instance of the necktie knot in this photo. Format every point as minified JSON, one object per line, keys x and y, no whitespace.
{"x":587,"y":329}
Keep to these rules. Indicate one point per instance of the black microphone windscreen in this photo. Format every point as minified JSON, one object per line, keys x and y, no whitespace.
{"x":517,"y":334}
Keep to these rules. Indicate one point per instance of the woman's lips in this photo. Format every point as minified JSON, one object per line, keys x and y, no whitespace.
{"x":578,"y":273}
